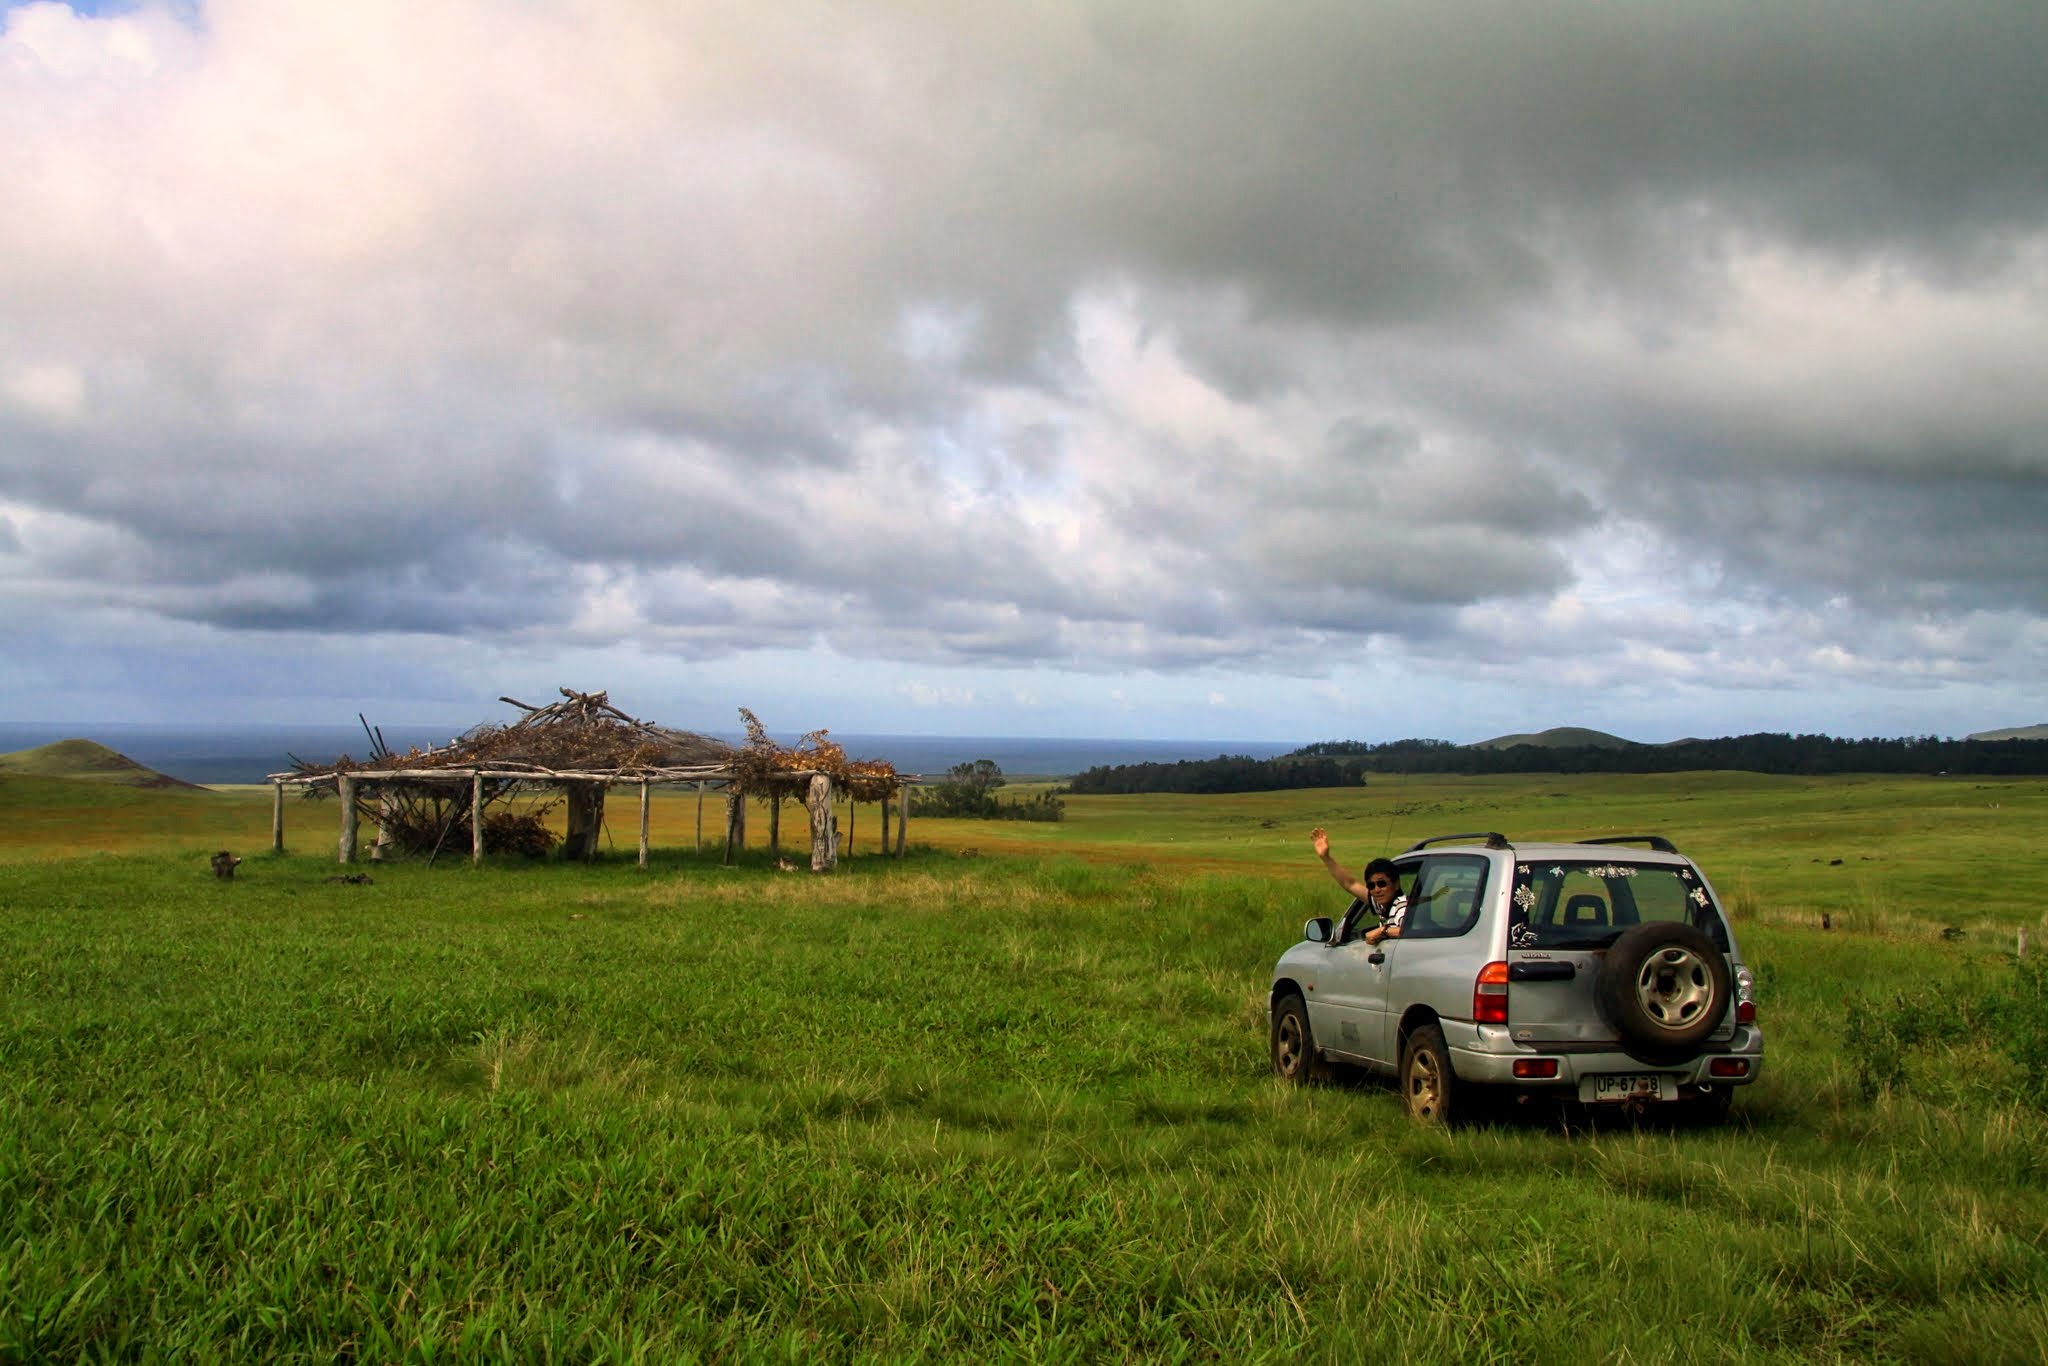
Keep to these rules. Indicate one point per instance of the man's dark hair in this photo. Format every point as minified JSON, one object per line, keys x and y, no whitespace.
{"x":1383,"y":865}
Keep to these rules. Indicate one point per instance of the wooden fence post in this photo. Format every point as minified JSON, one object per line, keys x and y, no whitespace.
{"x":476,"y":819}
{"x":902,"y":818}
{"x":277,"y":818}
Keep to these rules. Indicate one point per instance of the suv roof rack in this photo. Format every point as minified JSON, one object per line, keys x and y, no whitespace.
{"x":1657,"y":842}
{"x":1493,"y":839}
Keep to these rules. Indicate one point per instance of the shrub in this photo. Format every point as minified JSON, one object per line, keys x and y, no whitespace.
{"x":1885,"y":1037}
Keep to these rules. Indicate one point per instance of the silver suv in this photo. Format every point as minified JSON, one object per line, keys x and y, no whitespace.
{"x":1590,"y":971}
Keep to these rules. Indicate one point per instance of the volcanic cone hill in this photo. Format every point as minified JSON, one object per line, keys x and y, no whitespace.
{"x":86,"y":760}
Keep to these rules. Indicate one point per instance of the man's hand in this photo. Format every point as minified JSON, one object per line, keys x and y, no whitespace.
{"x":1319,"y":840}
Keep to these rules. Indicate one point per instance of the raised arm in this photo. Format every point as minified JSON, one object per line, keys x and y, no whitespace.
{"x":1319,"y":840}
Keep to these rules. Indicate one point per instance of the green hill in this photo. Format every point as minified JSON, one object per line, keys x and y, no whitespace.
{"x":2013,"y":733}
{"x":87,"y":760}
{"x":1559,"y":737}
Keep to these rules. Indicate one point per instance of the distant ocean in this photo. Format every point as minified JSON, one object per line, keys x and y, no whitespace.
{"x":248,"y":754}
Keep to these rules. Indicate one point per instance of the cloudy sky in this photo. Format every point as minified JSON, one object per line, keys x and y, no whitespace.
{"x":1174,"y":368}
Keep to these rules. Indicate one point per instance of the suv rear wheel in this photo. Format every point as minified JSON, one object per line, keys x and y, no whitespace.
{"x":1427,"y":1082}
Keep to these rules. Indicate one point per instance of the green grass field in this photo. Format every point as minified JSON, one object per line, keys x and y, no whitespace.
{"x":1006,"y":1098}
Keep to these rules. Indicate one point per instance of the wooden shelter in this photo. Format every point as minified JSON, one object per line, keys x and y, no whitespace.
{"x":580,"y":748}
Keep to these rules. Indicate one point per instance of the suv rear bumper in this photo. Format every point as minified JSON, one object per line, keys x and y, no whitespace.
{"x":1485,"y":1054}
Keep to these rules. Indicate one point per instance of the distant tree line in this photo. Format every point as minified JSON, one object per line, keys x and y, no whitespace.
{"x":1763,"y":752}
{"x":1224,"y":773}
{"x":1346,"y":763}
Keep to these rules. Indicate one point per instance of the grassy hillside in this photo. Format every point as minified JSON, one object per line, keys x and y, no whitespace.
{"x":87,"y":760}
{"x":2014,"y":733}
{"x":1009,"y":1104}
{"x":1558,"y":737}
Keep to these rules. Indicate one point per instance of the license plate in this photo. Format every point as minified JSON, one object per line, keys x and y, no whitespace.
{"x":1635,"y":1086}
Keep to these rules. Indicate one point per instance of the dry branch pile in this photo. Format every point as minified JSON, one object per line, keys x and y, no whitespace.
{"x":582,"y":734}
{"x":580,"y":739}
{"x":762,"y":768}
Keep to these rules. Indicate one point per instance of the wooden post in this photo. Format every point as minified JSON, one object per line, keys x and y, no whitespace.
{"x":775,"y":825}
{"x":735,"y":825}
{"x":585,"y":820}
{"x":700,"y":815}
{"x":884,"y":804}
{"x":820,"y":803}
{"x":902,"y":817}
{"x":476,"y":819}
{"x":643,"y":822}
{"x":277,"y":818}
{"x":851,"y":807}
{"x":347,"y":786}
{"x":387,"y":805}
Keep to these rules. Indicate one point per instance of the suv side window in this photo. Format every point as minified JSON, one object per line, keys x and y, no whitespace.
{"x":1446,"y":897}
{"x":1361,"y":917}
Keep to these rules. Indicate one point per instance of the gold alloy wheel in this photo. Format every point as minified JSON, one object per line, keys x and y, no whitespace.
{"x":1289,"y":1047}
{"x":1425,"y":1086}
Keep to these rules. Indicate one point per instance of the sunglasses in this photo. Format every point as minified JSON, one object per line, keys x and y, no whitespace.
{"x":1378,"y":884}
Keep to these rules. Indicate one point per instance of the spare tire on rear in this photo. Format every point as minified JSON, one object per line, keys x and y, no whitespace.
{"x":1664,"y":987}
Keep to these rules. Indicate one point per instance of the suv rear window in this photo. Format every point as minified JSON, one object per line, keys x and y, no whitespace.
{"x":1587,"y":904}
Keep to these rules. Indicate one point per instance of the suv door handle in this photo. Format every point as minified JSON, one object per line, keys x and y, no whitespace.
{"x":1376,"y":956}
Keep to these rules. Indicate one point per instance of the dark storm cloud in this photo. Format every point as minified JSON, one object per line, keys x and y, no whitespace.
{"x":1108,"y":335}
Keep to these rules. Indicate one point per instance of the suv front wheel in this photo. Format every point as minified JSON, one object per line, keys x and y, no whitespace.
{"x":1294,"y":1046}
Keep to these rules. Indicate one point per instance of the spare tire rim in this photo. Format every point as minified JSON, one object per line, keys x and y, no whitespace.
{"x":1675,"y":987}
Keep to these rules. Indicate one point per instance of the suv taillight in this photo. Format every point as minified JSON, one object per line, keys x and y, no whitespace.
{"x":1490,"y":994}
{"x":1745,"y":996}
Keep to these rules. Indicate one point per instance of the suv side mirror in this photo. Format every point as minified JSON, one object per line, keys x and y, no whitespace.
{"x":1317,"y":931}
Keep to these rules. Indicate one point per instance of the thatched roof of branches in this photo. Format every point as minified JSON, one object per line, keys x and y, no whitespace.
{"x":584,"y":737}
{"x":762,"y":767}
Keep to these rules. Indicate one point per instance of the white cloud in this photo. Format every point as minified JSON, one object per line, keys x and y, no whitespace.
{"x":50,"y":393}
{"x":929,"y":695}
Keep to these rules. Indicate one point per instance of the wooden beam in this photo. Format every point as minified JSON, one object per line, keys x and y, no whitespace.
{"x":277,"y":818}
{"x":902,"y":817}
{"x":476,"y":820}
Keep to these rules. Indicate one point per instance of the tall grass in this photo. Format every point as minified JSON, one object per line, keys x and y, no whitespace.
{"x":1000,"y":1106}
